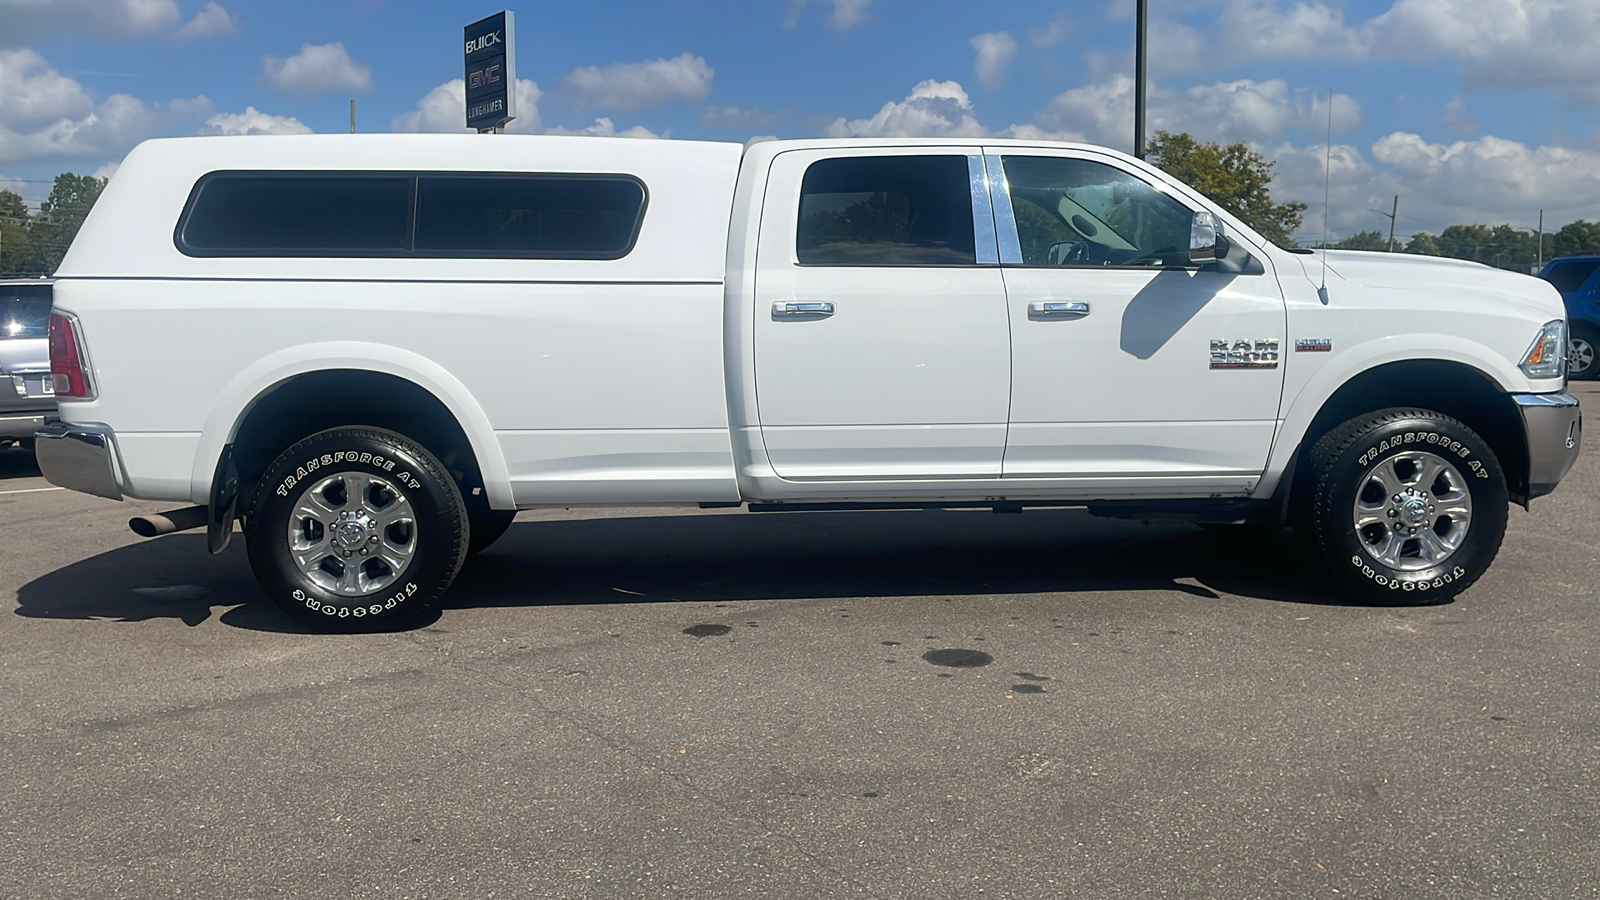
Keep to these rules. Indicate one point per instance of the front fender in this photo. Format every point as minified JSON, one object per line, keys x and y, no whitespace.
{"x":240,"y":394}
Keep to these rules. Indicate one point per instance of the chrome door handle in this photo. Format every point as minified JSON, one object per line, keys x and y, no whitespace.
{"x":1058,"y":309}
{"x":810,"y":310}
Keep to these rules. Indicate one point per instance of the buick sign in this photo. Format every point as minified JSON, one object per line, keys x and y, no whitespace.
{"x":491,"y":72}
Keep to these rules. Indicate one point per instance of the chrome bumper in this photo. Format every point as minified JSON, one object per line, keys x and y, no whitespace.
{"x":21,"y":425}
{"x":1554,"y":426}
{"x":78,"y":457}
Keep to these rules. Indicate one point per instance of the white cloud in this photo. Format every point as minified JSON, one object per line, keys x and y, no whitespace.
{"x":630,"y":86}
{"x":936,"y":109}
{"x":734,"y":117}
{"x":106,"y":170}
{"x":1245,"y":110}
{"x":252,"y":121}
{"x":1494,"y":43}
{"x":445,"y":109}
{"x":26,"y":20}
{"x":933,"y":109}
{"x":210,"y":21}
{"x":1489,"y":180}
{"x":995,"y":51}
{"x":846,"y":13}
{"x":1456,"y":118}
{"x":603,"y":127}
{"x":1052,"y":34}
{"x":316,"y":69}
{"x":46,"y":115}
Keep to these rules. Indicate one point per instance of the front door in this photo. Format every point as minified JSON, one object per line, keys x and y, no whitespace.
{"x":881,"y":344}
{"x":1128,"y":361}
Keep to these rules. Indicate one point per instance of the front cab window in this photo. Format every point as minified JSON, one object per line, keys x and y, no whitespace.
{"x":1075,"y":212}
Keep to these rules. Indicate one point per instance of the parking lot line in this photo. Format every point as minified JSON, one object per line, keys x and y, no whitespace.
{"x":32,"y":490}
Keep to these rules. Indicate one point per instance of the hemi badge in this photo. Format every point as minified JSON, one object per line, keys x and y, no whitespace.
{"x":1313,"y":345}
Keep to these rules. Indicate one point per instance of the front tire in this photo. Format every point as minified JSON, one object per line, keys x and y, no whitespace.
{"x":1409,"y":506}
{"x":357,"y":529}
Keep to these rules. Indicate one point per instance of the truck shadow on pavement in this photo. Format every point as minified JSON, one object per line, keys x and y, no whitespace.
{"x":727,"y":557}
{"x":18,"y":462}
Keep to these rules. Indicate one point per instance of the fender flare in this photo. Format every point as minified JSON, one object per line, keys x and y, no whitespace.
{"x":238,"y":397}
{"x":1347,"y":364}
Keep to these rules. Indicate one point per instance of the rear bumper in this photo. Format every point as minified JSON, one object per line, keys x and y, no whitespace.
{"x":22,"y":424}
{"x":1554,"y":426}
{"x":78,"y":457}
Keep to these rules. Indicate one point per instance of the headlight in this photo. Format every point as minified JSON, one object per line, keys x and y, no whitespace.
{"x":1547,"y":358}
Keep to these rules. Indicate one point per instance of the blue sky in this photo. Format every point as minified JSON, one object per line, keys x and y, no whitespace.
{"x":1470,"y":110}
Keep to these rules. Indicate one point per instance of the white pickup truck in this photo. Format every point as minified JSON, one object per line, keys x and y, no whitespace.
{"x":374,"y":349}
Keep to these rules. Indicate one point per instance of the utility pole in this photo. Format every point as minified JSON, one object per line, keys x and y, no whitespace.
{"x":1141,"y":18}
{"x":1393,"y":215}
{"x":1541,"y":238}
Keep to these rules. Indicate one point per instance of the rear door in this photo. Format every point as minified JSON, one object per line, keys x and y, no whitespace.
{"x":1128,"y":362}
{"x":881,"y":343}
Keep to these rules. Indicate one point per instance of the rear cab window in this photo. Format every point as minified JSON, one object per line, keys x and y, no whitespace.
{"x":422,"y":215}
{"x":886,"y":211}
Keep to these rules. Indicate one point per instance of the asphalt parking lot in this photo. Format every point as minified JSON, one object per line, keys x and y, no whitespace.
{"x":648,"y":703}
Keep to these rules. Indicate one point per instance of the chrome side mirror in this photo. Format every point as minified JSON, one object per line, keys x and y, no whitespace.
{"x":1204,"y":231}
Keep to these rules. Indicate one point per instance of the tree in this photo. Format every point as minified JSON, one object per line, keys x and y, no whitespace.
{"x":1235,"y":177}
{"x":15,"y":245}
{"x":1575,"y":238}
{"x":1364,"y":240}
{"x":1424,"y":244}
{"x":52,"y":229}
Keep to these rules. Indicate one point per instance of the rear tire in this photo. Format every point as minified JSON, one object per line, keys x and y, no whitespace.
{"x":1408,"y":506}
{"x":1584,"y":362}
{"x":357,"y":529}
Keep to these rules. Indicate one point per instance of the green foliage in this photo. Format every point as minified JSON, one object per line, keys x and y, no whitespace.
{"x":1364,"y":240}
{"x":1233,"y":176}
{"x":1573,"y":239}
{"x":34,"y":243}
{"x":1423,"y":244}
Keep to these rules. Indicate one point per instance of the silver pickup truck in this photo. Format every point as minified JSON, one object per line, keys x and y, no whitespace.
{"x":27,"y":393}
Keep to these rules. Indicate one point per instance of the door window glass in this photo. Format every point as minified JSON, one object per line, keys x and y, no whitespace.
{"x":886,"y":211}
{"x":1074,"y":212}
{"x":1568,"y":277}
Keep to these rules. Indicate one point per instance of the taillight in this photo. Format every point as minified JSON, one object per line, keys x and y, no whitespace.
{"x":67,"y":366}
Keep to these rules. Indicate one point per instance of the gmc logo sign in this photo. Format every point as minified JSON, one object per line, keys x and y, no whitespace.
{"x":485,"y":76}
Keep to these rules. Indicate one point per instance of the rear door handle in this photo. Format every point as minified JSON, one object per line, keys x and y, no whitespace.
{"x":1058,"y":309}
{"x":809,"y":309}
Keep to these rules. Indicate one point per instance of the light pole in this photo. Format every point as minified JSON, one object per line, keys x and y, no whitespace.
{"x":1140,"y":20}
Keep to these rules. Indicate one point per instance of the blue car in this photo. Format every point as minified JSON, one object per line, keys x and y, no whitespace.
{"x":1578,"y":280}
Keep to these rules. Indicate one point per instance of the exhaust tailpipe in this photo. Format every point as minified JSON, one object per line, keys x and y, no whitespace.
{"x":168,"y":522}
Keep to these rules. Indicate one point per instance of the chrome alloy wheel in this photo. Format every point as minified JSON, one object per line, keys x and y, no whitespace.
{"x":1412,"y":511}
{"x":352,"y":534}
{"x":1580,"y":358}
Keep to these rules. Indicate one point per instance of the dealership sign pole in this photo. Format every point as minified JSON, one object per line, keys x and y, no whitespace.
{"x":491,"y":73}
